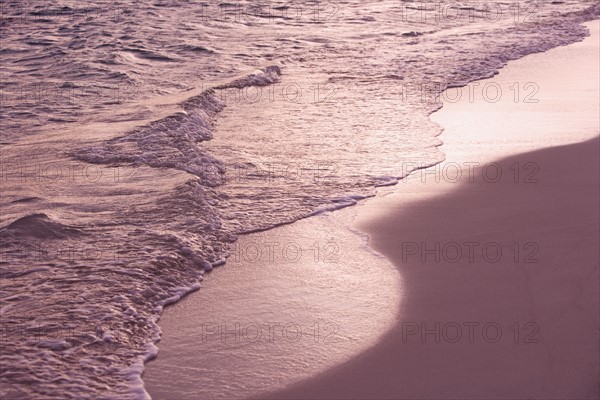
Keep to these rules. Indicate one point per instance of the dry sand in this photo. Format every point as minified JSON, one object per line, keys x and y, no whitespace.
{"x":557,"y":353}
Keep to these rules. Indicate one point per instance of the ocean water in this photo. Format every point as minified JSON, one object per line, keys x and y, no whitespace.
{"x":140,"y":139}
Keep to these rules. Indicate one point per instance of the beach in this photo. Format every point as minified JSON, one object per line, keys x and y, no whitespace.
{"x":478,"y":322}
{"x":456,"y":335}
{"x":496,"y":250}
{"x":373,"y":199}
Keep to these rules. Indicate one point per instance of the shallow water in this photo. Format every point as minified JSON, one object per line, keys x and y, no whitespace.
{"x":124,"y":177}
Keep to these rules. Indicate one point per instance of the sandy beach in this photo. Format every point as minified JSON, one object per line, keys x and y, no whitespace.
{"x":311,"y":200}
{"x":552,"y":298}
{"x":500,"y":268}
{"x":496,"y":250}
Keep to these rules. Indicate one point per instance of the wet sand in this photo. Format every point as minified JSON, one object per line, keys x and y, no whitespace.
{"x":500,"y":272}
{"x":524,"y":326}
{"x":290,"y":303}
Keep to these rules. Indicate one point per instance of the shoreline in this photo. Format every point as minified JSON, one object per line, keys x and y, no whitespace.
{"x":299,"y":289}
{"x":473,"y":326}
{"x":138,"y":150}
{"x":360,"y":210}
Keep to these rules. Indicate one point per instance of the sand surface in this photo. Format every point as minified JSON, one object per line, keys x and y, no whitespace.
{"x":290,"y":303}
{"x":467,"y":321}
{"x":549,"y":289}
{"x":500,"y":272}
